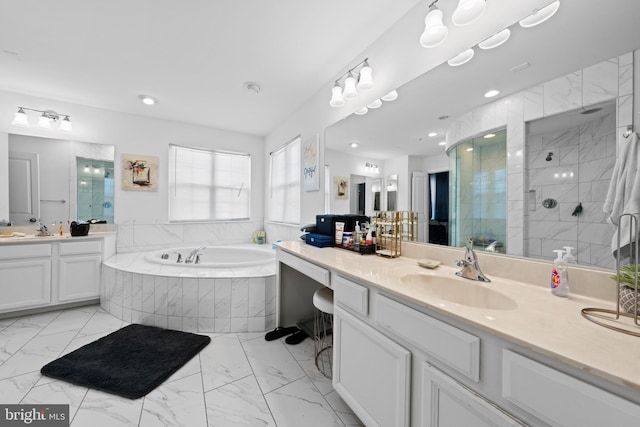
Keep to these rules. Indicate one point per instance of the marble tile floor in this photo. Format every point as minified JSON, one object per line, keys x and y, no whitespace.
{"x":237,"y":380}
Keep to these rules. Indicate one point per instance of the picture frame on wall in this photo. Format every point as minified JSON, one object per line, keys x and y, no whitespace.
{"x":310,"y":166}
{"x":342,"y":187}
{"x":139,"y":172}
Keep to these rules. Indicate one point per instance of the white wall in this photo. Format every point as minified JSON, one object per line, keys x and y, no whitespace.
{"x":136,"y":135}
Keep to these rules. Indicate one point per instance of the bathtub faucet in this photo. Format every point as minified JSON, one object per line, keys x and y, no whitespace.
{"x":193,"y":255}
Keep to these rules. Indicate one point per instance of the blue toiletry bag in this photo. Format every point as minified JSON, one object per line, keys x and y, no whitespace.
{"x":319,"y":240}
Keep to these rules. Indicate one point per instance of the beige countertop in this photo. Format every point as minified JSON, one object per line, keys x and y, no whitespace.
{"x":539,"y":321}
{"x":32,"y":238}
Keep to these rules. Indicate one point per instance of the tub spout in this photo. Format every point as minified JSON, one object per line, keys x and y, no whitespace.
{"x":193,"y":254}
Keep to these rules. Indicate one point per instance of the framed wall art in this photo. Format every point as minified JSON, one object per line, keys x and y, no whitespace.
{"x":139,"y":172}
{"x":310,"y":166}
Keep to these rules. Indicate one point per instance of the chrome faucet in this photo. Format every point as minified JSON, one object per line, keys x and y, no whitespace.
{"x":470,"y":269}
{"x":194,"y":255}
{"x":43,"y":230}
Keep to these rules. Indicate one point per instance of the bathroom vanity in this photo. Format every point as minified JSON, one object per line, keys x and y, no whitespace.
{"x":38,"y":273}
{"x":418,"y":347}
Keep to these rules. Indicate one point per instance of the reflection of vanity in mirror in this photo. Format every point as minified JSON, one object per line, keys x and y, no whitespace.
{"x":551,"y":136}
{"x":58,"y":181}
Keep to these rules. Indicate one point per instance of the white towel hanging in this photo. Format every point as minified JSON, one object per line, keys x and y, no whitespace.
{"x":623,"y":195}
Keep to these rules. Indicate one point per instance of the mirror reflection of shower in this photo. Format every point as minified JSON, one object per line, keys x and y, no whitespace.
{"x":95,"y":190}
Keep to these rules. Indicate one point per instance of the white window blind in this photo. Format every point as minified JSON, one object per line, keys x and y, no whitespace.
{"x":284,"y":203}
{"x":208,"y":185}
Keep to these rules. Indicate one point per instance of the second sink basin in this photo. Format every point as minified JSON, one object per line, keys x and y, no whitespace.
{"x":461,"y":291}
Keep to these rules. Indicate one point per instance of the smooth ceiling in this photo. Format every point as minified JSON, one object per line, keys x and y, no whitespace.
{"x":194,"y":56}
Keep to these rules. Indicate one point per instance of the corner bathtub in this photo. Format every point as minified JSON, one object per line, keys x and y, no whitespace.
{"x":232,"y":289}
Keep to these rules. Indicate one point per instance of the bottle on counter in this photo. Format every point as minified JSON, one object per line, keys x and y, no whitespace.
{"x":61,"y":228}
{"x":559,"y":277}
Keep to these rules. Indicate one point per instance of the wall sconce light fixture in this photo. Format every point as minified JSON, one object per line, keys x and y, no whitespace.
{"x":352,"y":86}
{"x":435,"y":32}
{"x":48,"y":119}
{"x":371,"y":167}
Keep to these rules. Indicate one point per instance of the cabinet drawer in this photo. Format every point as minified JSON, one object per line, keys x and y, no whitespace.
{"x":319,"y":274}
{"x":81,"y":248}
{"x":559,"y":399}
{"x":451,"y":346}
{"x":351,"y":295}
{"x":25,"y":251}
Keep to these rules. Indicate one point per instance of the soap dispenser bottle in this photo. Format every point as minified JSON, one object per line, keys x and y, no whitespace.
{"x":559,"y":278}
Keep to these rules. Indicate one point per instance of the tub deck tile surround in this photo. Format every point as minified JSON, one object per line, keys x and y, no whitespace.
{"x":187,"y":297}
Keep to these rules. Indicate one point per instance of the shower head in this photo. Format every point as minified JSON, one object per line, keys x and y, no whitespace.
{"x":549,"y":156}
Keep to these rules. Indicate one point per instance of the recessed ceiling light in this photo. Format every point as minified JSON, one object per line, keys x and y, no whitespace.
{"x":442,"y":143}
{"x":490,"y":135}
{"x":354,"y":145}
{"x":432,"y":134}
{"x":461,"y":58}
{"x":470,"y":149}
{"x":491,"y":93}
{"x":148,"y":100}
{"x":252,"y":87}
{"x":540,"y":15}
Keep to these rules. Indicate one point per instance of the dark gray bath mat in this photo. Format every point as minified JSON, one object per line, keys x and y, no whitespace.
{"x":129,"y":362}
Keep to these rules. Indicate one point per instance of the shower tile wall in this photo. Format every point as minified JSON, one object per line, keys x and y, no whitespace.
{"x":608,"y":80}
{"x":578,"y":171}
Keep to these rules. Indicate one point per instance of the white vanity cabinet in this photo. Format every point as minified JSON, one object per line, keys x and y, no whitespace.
{"x":446,"y":402}
{"x":79,"y":267}
{"x":25,"y":276}
{"x":48,"y":272}
{"x":399,"y":360}
{"x":383,"y":345}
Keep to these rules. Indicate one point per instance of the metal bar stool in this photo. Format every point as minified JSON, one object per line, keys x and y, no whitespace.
{"x":323,"y":330}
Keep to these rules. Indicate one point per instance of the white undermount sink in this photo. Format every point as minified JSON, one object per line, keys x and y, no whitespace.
{"x":461,"y":291}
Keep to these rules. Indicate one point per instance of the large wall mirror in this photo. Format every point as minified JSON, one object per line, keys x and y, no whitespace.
{"x":56,"y":181}
{"x":556,"y":156}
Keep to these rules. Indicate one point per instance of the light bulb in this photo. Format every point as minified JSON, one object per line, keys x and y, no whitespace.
{"x":495,"y":40}
{"x":541,"y":15}
{"x":435,"y":32}
{"x":350,"y":90}
{"x":391,"y":96}
{"x":461,"y":58}
{"x":44,"y":121}
{"x":365,"y":82}
{"x":20,"y":118}
{"x":336,"y":96}
{"x":65,"y":125}
{"x":467,"y":12}
{"x":492,"y":93}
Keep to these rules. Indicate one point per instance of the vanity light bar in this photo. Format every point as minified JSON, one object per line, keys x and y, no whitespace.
{"x":47,"y":119}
